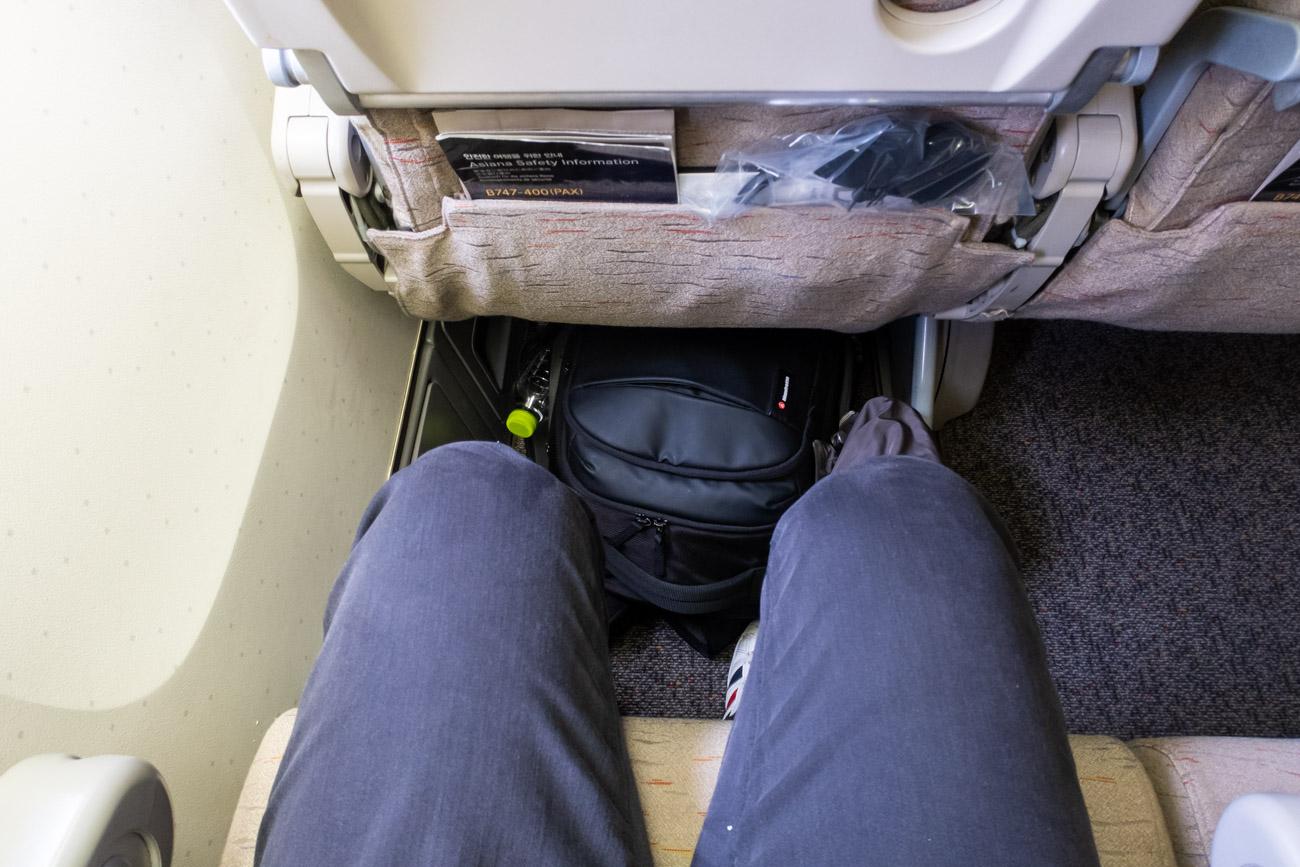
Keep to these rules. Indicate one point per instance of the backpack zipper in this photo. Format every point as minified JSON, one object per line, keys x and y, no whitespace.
{"x":641,"y":523}
{"x":660,"y":525}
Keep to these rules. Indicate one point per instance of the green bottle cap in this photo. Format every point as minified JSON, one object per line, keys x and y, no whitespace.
{"x":521,"y":423}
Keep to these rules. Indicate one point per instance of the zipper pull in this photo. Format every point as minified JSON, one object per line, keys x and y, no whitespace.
{"x":640,"y":522}
{"x":660,"y":525}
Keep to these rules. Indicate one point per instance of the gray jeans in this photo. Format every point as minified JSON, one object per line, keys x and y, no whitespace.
{"x":462,"y":709}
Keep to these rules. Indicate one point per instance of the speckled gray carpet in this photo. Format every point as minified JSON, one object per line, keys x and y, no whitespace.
{"x":1152,"y":482}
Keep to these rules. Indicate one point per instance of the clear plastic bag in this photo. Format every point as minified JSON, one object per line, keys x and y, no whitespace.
{"x":920,"y":158}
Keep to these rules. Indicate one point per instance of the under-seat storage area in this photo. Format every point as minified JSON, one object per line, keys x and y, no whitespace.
{"x":486,"y":273}
{"x":462,"y":385}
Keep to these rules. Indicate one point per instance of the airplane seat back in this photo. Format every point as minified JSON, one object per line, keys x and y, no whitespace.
{"x":1225,"y":139}
{"x":734,"y":79}
{"x":1189,"y":251}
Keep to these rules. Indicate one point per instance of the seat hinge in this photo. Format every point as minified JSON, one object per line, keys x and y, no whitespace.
{"x":322,"y":157}
{"x":1083,"y":158}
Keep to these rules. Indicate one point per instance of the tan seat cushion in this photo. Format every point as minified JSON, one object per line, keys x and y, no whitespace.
{"x":1127,"y":824}
{"x":676,"y":766}
{"x":676,"y":763}
{"x":1196,"y":778}
{"x":242,"y":839}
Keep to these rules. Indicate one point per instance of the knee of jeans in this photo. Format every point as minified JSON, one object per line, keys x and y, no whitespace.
{"x":486,"y":503}
{"x":459,"y":458}
{"x":449,"y":473}
{"x":501,"y":487}
{"x":884,"y":508}
{"x":461,"y":472}
{"x":846,"y":495}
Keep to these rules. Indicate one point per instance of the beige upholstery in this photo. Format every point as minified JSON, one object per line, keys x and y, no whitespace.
{"x":416,"y":172}
{"x":1127,"y":824}
{"x":665,"y":265}
{"x":1222,"y":144}
{"x":1196,"y":778}
{"x":1232,"y":270}
{"x":676,"y":764}
{"x":242,"y":839}
{"x":1192,"y":253}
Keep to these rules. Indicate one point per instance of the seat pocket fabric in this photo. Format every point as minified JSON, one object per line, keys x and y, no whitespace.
{"x":665,"y":266}
{"x":1233,"y":270}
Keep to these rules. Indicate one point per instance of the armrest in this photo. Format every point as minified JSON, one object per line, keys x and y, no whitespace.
{"x":62,"y":811}
{"x":1258,"y":831}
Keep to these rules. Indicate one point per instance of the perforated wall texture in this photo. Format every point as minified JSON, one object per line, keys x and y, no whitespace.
{"x":198,"y":402}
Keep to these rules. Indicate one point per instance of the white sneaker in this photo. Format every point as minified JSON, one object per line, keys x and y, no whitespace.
{"x":736,"y":674}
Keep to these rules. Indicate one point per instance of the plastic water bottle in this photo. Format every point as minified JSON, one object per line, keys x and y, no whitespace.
{"x":533,"y":387}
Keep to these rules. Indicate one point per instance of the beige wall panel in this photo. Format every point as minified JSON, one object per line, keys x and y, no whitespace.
{"x":197,"y":403}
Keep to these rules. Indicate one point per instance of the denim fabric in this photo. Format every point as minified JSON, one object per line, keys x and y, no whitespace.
{"x":462,"y":709}
{"x":898,"y":709}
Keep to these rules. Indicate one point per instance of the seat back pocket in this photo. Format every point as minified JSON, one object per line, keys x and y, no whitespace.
{"x":610,"y":264}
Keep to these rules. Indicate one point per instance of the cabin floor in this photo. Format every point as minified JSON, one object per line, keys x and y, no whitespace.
{"x":1152,"y":482}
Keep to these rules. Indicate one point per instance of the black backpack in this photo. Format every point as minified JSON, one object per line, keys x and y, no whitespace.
{"x":688,"y":445}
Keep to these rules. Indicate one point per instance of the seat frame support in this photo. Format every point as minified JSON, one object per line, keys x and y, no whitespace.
{"x":1083,"y":157}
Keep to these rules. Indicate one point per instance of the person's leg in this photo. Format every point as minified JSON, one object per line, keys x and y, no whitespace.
{"x":899,"y":709}
{"x":462,"y":709}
